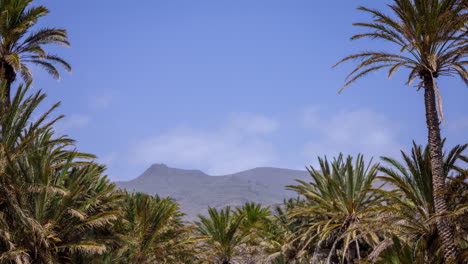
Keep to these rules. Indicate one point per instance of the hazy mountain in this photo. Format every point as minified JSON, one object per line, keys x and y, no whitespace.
{"x":196,"y":191}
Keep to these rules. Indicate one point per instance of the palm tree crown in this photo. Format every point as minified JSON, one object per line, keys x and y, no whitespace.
{"x":222,"y":231}
{"x":336,"y":204}
{"x":431,"y":37}
{"x":56,"y":203}
{"x":409,"y":209}
{"x":19,"y":47}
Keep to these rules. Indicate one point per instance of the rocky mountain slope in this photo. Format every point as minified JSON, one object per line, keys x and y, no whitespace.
{"x":196,"y":191}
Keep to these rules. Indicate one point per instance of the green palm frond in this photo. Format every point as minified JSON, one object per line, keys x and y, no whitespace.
{"x":54,"y":199}
{"x":409,"y":211}
{"x":222,"y":232}
{"x":337,"y":205}
{"x":47,"y":66}
{"x":151,"y":231}
{"x":19,"y":47}
{"x":430,"y":35}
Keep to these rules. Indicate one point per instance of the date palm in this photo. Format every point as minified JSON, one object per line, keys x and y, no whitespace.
{"x":431,"y":38}
{"x":280,"y":232}
{"x":222,"y":233}
{"x":152,"y":231}
{"x":336,"y":203}
{"x":401,"y":252}
{"x":14,"y":141}
{"x":19,"y":46}
{"x":55,"y":203}
{"x":256,"y":218}
{"x":409,"y":209}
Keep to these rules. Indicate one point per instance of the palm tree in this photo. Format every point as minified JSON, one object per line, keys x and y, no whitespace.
{"x":151,"y":230}
{"x":20,"y":47}
{"x":432,"y":40}
{"x":14,"y":141}
{"x":458,"y":200}
{"x":255,"y":215}
{"x":401,"y":252}
{"x":336,"y":203}
{"x":255,"y":221}
{"x":409,"y":209}
{"x":222,"y":233}
{"x":279,"y":238}
{"x":55,"y":204}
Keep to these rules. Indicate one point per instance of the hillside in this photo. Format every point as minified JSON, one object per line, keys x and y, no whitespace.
{"x":196,"y":190}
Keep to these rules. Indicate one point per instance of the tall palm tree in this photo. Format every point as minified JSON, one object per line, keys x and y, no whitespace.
{"x":409,"y":209}
{"x":432,"y":40}
{"x":336,"y":201}
{"x":20,"y":47}
{"x":222,"y":233}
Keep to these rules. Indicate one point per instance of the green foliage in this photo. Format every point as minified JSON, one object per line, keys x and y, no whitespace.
{"x":409,"y":211}
{"x":254,"y":216}
{"x":222,"y":233}
{"x":279,"y":238}
{"x":150,"y":229}
{"x":57,"y":205}
{"x":336,"y":206}
{"x":402,"y":253}
{"x":256,"y":219}
{"x":55,"y":202}
{"x":19,"y":46}
{"x":430,"y":35}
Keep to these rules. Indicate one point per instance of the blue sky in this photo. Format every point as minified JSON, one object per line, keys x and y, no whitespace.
{"x":223,"y":86}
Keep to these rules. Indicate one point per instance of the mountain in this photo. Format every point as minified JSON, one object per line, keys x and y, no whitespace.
{"x":196,"y":190}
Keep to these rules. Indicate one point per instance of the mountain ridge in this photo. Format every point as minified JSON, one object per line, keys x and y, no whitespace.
{"x":196,"y":191}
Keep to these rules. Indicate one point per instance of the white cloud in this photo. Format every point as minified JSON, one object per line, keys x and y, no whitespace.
{"x":237,"y":145}
{"x":72,"y":122}
{"x":245,"y":141}
{"x":102,"y":101}
{"x":108,"y":159}
{"x":251,"y":124}
{"x":351,"y":132}
{"x":458,"y":125}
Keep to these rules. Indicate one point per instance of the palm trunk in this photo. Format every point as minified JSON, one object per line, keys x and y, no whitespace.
{"x":7,"y":76}
{"x":6,"y":87}
{"x":225,"y":260}
{"x":444,"y":228}
{"x":353,"y":253}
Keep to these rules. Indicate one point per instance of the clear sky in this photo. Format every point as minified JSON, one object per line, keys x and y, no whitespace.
{"x":222,"y":85}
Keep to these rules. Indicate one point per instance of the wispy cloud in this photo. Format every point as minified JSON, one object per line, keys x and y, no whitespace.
{"x":108,"y":159}
{"x":236,"y":145}
{"x":458,"y":125}
{"x":72,"y":122}
{"x":245,"y":141}
{"x":352,"y":132}
{"x":102,"y":100}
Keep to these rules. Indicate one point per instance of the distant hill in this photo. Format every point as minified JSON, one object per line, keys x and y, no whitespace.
{"x":196,"y":191}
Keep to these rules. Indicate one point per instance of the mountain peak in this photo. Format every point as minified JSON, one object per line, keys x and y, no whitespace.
{"x":157,"y":166}
{"x":196,"y":191}
{"x":162,"y":171}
